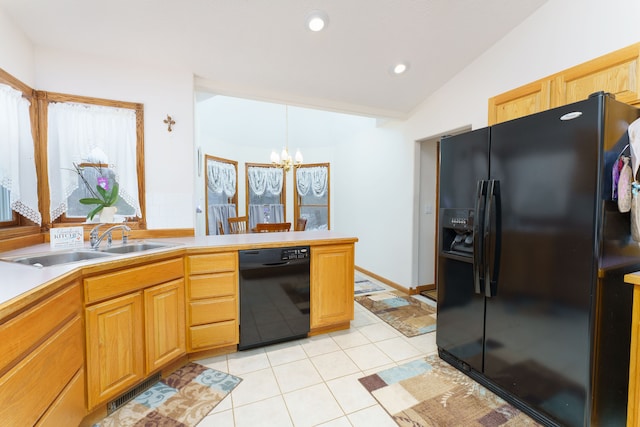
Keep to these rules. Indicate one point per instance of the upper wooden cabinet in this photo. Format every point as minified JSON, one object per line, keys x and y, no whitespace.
{"x":617,"y":73}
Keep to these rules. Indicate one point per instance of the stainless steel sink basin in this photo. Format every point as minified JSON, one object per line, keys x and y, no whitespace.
{"x":134,"y":247}
{"x":56,"y":258}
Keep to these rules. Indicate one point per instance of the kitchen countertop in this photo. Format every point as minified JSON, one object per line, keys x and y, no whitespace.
{"x":19,"y":280}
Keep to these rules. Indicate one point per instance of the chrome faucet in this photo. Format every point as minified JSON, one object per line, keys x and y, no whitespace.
{"x":95,"y":244}
{"x":93,"y":235}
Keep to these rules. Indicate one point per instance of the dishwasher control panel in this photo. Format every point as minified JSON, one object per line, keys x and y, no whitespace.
{"x":294,"y":253}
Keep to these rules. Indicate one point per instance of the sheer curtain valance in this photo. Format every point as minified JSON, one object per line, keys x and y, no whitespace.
{"x":17,"y":161}
{"x":221,"y":178}
{"x":312,"y":178}
{"x":75,"y":131}
{"x":267,"y":179}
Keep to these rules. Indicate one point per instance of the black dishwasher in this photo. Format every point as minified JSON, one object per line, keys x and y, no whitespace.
{"x":274,"y":295}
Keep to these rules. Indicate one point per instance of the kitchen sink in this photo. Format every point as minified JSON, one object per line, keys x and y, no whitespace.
{"x":134,"y":247}
{"x":56,"y":258}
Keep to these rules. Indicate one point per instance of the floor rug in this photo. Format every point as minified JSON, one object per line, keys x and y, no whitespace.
{"x":430,"y":393}
{"x":182,"y":399}
{"x":408,"y":315}
{"x":364,"y":286}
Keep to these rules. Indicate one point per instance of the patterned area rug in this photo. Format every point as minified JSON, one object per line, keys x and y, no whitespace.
{"x":429,"y":392}
{"x":363,"y":286}
{"x":406,"y":314}
{"x":182,"y":399}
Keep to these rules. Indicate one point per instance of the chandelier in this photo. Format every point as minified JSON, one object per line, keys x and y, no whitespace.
{"x":284,"y":159}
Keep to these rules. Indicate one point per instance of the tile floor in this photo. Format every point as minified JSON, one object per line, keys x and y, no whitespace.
{"x":314,"y":381}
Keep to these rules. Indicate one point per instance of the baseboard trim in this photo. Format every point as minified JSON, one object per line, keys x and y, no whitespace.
{"x":386,"y":281}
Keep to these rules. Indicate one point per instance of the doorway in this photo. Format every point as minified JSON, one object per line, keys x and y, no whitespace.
{"x":428,"y":212}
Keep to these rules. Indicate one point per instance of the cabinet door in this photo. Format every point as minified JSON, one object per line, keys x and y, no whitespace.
{"x":520,"y":102}
{"x":115,"y":345}
{"x":165,"y":323}
{"x":332,"y":273}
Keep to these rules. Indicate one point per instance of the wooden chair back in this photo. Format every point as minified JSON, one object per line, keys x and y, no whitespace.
{"x":220,"y":228}
{"x":273,"y":226}
{"x":301,"y":224}
{"x":238,"y":225}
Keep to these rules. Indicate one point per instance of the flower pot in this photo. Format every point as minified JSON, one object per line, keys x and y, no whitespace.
{"x":107,"y":213}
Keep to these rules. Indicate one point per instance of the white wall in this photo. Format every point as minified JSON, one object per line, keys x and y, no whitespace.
{"x":169,"y":160}
{"x":16,"y":51}
{"x":247,"y":131}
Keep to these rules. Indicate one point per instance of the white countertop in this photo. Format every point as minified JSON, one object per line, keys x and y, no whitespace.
{"x":19,"y":279}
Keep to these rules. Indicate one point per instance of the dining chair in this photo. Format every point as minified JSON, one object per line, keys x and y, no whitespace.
{"x":220,"y":228}
{"x":238,"y":225}
{"x":301,"y":224}
{"x":272,"y":226}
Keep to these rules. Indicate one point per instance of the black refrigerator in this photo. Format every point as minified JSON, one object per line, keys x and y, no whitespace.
{"x":532,"y":250}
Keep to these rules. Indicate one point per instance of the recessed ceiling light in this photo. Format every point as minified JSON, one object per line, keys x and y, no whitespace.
{"x":317,"y":20}
{"x":400,"y":68}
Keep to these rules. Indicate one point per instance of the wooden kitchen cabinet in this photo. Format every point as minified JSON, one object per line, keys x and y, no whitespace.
{"x":134,"y":325}
{"x":115,"y":340}
{"x":165,"y":324}
{"x":617,"y":73}
{"x":332,"y":281}
{"x":633,"y":406}
{"x":42,"y":380}
{"x":212,"y":301}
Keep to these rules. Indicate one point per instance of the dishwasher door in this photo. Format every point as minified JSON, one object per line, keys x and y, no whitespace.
{"x":274,"y":295}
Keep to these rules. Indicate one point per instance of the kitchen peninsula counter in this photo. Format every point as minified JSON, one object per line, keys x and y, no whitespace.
{"x":157,"y":309}
{"x":22,"y":284}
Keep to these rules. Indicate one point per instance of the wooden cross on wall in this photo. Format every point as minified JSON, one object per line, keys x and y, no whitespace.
{"x":169,"y":122}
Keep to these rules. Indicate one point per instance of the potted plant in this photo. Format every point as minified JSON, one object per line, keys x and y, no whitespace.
{"x":104,"y":196}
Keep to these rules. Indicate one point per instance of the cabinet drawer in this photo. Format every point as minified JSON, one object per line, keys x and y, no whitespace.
{"x":212,"y":263}
{"x":27,"y":390}
{"x":122,"y":282}
{"x":213,"y":335}
{"x":212,"y":310}
{"x":36,"y":323}
{"x":213,"y":285}
{"x":68,"y":410}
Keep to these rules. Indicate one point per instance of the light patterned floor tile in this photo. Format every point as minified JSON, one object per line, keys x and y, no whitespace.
{"x":338,"y":422}
{"x":379,"y":332}
{"x":350,"y":394}
{"x":296,"y":375}
{"x":372,"y":416}
{"x":266,"y":413}
{"x":218,"y":419}
{"x":398,"y":349}
{"x":312,"y":406}
{"x":242,"y":362}
{"x":219,"y":363}
{"x":368,"y":356}
{"x":349,"y":338}
{"x":285,"y":353}
{"x":426,"y":343}
{"x":334,"y":365}
{"x":320,"y":344}
{"x":255,"y":386}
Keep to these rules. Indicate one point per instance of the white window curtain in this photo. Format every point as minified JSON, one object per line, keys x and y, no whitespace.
{"x":221,"y":213}
{"x":265,"y":179}
{"x":265,"y":213}
{"x":312,"y":178}
{"x":17,"y":161}
{"x":75,"y":133}
{"x":221,"y":178}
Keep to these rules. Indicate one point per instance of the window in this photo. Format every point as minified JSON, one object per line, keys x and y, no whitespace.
{"x":266,"y":191}
{"x":221,"y":197}
{"x":19,"y":203}
{"x":104,"y":140}
{"x":311,"y":197}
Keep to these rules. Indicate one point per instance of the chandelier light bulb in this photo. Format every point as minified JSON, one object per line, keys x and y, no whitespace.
{"x":274,"y":157}
{"x":298,"y":156}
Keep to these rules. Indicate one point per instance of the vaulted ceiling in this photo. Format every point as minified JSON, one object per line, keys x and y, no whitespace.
{"x":261,"y":48}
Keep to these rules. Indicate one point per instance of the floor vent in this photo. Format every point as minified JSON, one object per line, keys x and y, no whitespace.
{"x":132,"y":393}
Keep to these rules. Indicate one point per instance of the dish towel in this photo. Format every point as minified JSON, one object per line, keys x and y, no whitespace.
{"x":634,"y":143}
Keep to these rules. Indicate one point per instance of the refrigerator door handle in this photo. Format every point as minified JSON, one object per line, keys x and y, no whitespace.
{"x":492,"y":238}
{"x":478,"y":246}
